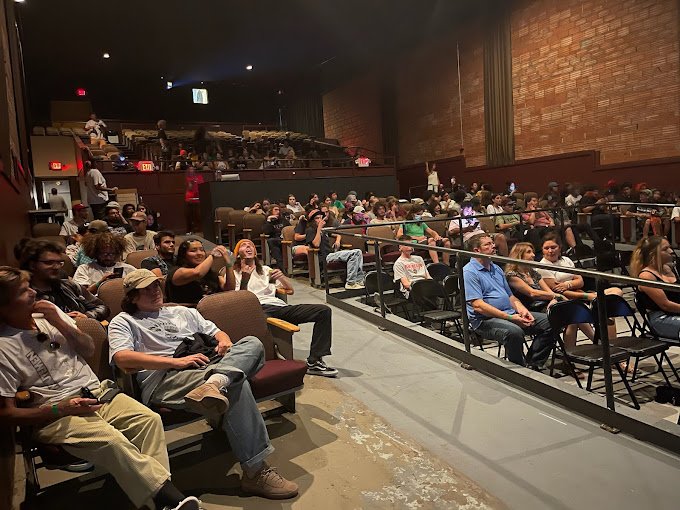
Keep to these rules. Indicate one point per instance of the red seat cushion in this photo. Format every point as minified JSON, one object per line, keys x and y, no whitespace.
{"x":369,"y":258}
{"x":391,"y":257}
{"x":300,"y":257}
{"x":336,"y":265}
{"x":278,"y":376}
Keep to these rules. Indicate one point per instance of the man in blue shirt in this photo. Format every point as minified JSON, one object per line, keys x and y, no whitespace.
{"x":496,"y":314}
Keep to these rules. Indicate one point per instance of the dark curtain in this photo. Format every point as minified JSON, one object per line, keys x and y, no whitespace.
{"x":498,"y":109}
{"x":305,"y":115}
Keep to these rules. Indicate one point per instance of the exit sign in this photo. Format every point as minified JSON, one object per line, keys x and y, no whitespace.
{"x":56,"y":166}
{"x":146,"y":166}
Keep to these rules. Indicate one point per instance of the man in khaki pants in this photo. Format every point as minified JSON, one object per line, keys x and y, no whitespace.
{"x":42,"y":351}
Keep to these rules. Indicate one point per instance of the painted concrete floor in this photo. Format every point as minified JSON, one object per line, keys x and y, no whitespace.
{"x":402,"y":427}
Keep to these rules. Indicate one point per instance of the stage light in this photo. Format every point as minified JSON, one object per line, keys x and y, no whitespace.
{"x":249,"y":68}
{"x":106,"y":55}
{"x":81,"y":92}
{"x":168,"y":85}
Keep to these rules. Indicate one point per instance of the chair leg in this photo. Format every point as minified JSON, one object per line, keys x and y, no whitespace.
{"x":670,"y":364}
{"x":627,"y":385}
{"x":635,"y":367}
{"x":288,"y":402}
{"x":591,"y":370}
{"x":32,"y":482}
{"x":659,"y":363}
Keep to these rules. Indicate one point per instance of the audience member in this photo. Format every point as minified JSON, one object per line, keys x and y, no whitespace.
{"x":60,"y":412}
{"x":472,"y":227}
{"x":127,"y":211}
{"x":496,"y":205}
{"x":140,"y":238}
{"x":164,"y":262}
{"x":146,"y":335}
{"x":420,"y":232}
{"x":508,"y":223}
{"x":105,"y":250}
{"x":97,"y":190}
{"x":191,"y":200}
{"x":408,"y":268}
{"x":44,"y":260}
{"x":537,"y":222}
{"x":57,"y":203}
{"x":294,"y":206}
{"x":193,"y":277}
{"x":273,"y":228}
{"x":317,"y":238}
{"x":263,"y":281}
{"x":380,"y":213}
{"x":432,"y":176}
{"x":94,"y":227}
{"x":495,"y":313}
{"x":527,"y":283}
{"x":71,"y":226}
{"x":115,"y":221}
{"x":94,"y":127}
{"x":596,"y":206}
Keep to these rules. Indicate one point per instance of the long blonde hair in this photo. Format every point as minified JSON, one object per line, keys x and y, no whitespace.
{"x":646,"y":254}
{"x":518,"y":251}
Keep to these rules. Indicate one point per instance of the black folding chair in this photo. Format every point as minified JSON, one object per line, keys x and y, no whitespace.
{"x":426,"y":295}
{"x":566,"y":313}
{"x":390,"y":297}
{"x":438,"y":271}
{"x":639,"y":348}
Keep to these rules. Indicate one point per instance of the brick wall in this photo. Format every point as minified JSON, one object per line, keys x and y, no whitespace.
{"x":428,"y":110}
{"x":596,"y":74}
{"x":352,"y":113}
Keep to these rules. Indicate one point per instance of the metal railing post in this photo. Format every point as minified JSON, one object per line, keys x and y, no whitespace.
{"x":463,"y":302}
{"x":604,"y":338}
{"x":378,"y":266}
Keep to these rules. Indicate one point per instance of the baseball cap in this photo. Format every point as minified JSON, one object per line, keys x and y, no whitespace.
{"x":138,"y":216}
{"x":138,"y":279}
{"x":79,"y":207}
{"x":313,"y":214}
{"x":98,"y":226}
{"x":358,"y":209}
{"x":113,"y":205}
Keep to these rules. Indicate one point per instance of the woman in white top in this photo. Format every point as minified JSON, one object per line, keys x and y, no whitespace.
{"x":567,"y":284}
{"x":496,"y":205}
{"x":432,"y":177}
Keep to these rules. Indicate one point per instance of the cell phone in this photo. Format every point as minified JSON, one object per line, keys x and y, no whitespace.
{"x":512,"y":187}
{"x":86,"y":393}
{"x":117,"y":272}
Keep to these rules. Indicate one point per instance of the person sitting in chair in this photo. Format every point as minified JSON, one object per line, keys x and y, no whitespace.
{"x":145,"y":336}
{"x":263,"y":281}
{"x":409,"y":268}
{"x":42,"y":351}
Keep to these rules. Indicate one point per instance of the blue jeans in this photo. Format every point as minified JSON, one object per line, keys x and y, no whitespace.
{"x":665,"y":324}
{"x":355,"y":263}
{"x":242,"y":423}
{"x":511,"y":335}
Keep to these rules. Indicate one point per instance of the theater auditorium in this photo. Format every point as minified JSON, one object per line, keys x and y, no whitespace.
{"x":308,"y":255}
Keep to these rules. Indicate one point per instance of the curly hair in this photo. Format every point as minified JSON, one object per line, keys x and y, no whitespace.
{"x":33,"y":249}
{"x":94,"y":243}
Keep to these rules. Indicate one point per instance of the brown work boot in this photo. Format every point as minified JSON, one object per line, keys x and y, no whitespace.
{"x":267,"y":483}
{"x":207,"y":400}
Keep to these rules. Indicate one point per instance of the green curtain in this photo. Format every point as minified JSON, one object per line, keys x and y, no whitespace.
{"x":498,"y":109}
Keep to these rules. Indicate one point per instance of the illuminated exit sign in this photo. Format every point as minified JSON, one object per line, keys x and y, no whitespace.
{"x":146,"y":166}
{"x":56,"y":166}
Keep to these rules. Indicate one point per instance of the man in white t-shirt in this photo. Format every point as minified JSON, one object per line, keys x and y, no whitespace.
{"x":140,"y":238}
{"x":409,"y":268}
{"x":95,"y":129}
{"x":250,"y":274}
{"x":97,"y":191}
{"x":42,"y":351}
{"x":213,"y":382}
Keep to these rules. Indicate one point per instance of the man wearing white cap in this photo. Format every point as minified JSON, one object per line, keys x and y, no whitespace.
{"x":145,"y":337}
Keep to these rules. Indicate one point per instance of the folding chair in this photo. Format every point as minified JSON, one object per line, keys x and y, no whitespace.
{"x":438,"y":271}
{"x":389,"y":300}
{"x":426,"y":295}
{"x":561,"y":315}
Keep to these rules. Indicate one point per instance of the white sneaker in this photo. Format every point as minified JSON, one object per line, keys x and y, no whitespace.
{"x":188,"y":503}
{"x":354,"y":286}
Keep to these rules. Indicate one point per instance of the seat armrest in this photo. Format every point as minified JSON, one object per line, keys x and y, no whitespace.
{"x":345,"y":246}
{"x":282,"y":336}
{"x":282,"y":325}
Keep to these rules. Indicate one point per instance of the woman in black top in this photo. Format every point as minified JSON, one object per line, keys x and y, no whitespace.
{"x":653,"y":260}
{"x":194,"y":277}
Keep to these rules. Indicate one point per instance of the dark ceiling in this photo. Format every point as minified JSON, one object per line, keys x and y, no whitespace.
{"x":189,"y":41}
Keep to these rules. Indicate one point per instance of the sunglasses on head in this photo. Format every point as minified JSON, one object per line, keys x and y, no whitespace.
{"x":43,"y":337}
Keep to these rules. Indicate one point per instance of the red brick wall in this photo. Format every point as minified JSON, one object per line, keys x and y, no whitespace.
{"x":352,"y":113}
{"x":596,"y":74}
{"x":428,"y":110}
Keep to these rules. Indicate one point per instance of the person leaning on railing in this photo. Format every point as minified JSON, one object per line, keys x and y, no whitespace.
{"x":653,"y":260}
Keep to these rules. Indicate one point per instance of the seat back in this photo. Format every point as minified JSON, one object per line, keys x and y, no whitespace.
{"x":135,"y":258}
{"x":288,"y":233}
{"x":425,"y":294}
{"x":238,"y":314}
{"x":371,"y":282}
{"x":68,"y":270}
{"x":236,"y":218}
{"x":488,"y":225}
{"x":564,"y":313}
{"x":451,"y":286}
{"x":111,"y":292}
{"x":438,"y":271}
{"x":45,"y":229}
{"x":439,"y":226}
{"x":386,"y":232}
{"x":56,"y":239}
{"x":99,"y":361}
{"x":255,"y":222}
{"x":357,"y":243}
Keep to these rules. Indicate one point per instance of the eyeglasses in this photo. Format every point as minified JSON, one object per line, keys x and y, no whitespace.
{"x":52,"y":263}
{"x":42,"y":337}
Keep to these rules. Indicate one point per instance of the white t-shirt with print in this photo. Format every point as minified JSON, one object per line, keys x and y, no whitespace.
{"x":413,"y":268}
{"x":94,"y":195}
{"x":156,"y":333}
{"x":260,"y":286}
{"x":87,"y":274}
{"x":558,"y":276}
{"x":50,"y":376}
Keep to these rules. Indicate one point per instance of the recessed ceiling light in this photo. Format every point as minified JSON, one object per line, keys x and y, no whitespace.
{"x":19,"y":1}
{"x":106,"y":55}
{"x":249,"y":68}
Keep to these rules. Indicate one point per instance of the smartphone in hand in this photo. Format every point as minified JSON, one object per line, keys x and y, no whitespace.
{"x":117,"y":272}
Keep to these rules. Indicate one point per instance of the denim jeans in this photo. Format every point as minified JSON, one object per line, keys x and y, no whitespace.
{"x":242,"y":423}
{"x":355,"y":262}
{"x":665,"y":324}
{"x":511,"y":335}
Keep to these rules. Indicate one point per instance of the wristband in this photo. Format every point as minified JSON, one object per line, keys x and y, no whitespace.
{"x":509,"y":317}
{"x":55,"y":409}
{"x":585,"y":295}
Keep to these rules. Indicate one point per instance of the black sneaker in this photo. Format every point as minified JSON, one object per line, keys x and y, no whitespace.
{"x":320,"y":368}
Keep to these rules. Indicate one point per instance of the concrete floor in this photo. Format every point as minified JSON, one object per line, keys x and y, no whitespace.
{"x":403,"y":427}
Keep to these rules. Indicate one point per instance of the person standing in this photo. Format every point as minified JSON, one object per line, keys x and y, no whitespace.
{"x":164,"y":143}
{"x":97,"y":190}
{"x":95,"y":129}
{"x":57,"y":203}
{"x":432,"y":177}
{"x":191,"y":200}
